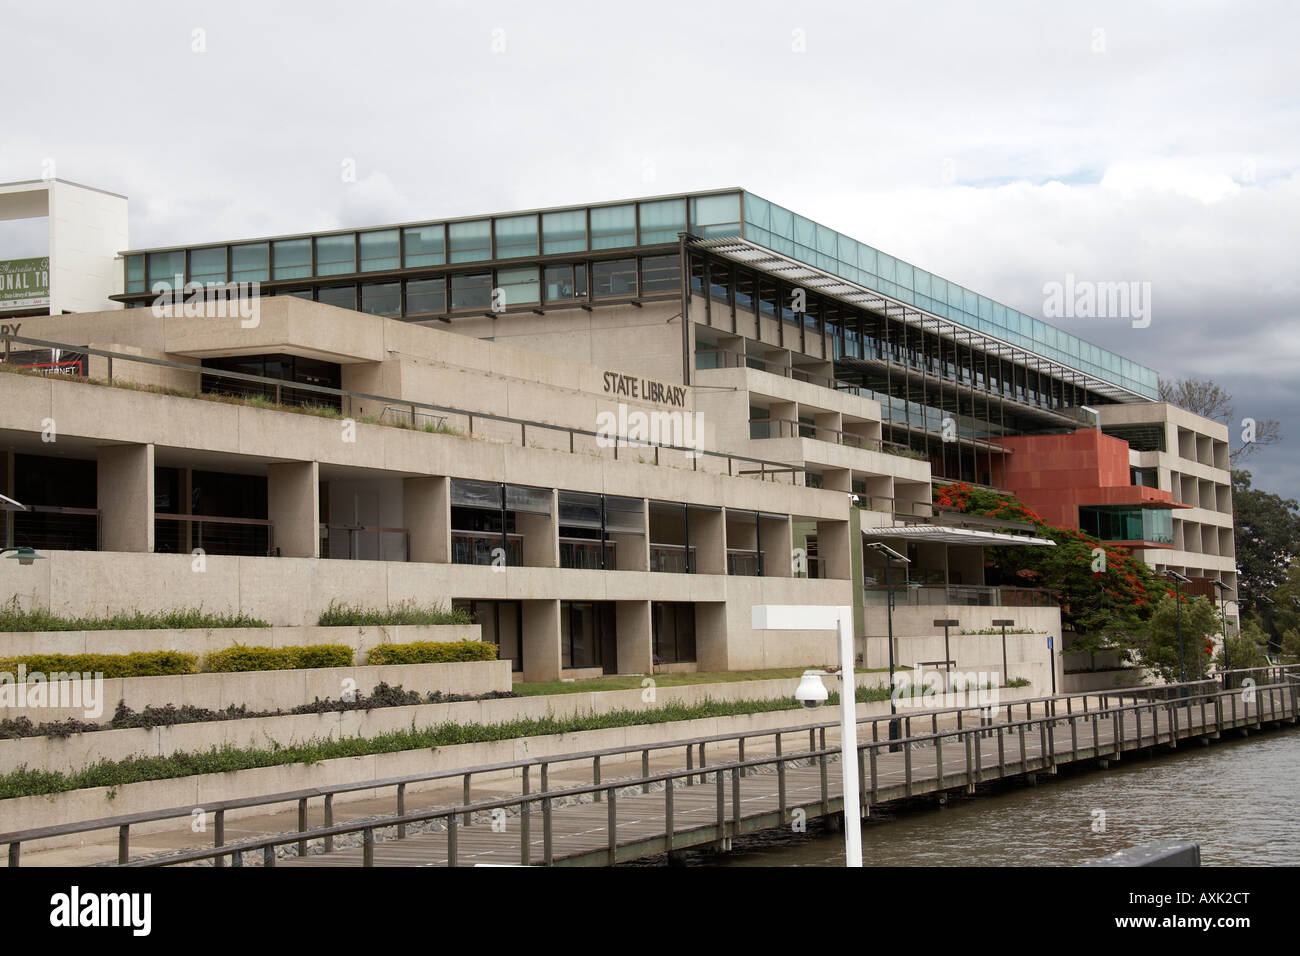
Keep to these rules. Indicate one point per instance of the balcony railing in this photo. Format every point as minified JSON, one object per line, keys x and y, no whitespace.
{"x":585,"y":554}
{"x":673,"y":558}
{"x":354,"y":542}
{"x":481,"y":547}
{"x":744,"y":562}
{"x":53,"y":528}
{"x":183,"y":534}
{"x":965,"y":595}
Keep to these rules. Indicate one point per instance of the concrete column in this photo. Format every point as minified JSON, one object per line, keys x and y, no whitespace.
{"x":708,"y":535}
{"x":635,"y":640}
{"x":541,"y":537}
{"x":833,"y":549}
{"x":427,"y":503}
{"x":711,"y":637}
{"x":125,"y":494}
{"x":541,"y":640}
{"x":293,"y":505}
{"x":776,"y":537}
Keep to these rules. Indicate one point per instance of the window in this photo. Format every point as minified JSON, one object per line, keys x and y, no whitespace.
{"x":661,"y":274}
{"x":715,"y":215}
{"x":674,"y":632}
{"x":516,"y":236}
{"x":565,"y":282}
{"x":382,"y":298}
{"x":426,"y":295}
{"x":564,"y":231}
{"x":614,"y":277}
{"x":470,"y":241}
{"x":379,"y":250}
{"x":336,"y":255}
{"x":343,"y":296}
{"x":135,"y":274}
{"x":292,"y":258}
{"x":662,"y":221}
{"x":424,"y":246}
{"x":167,"y":268}
{"x":250,"y":263}
{"x":471,"y":291}
{"x":613,"y":226}
{"x":208,"y":265}
{"x":518,"y":286}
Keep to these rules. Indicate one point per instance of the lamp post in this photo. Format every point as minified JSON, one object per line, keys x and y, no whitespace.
{"x":794,"y":617}
{"x":26,"y":556}
{"x":889,"y":555}
{"x":945,"y":623}
{"x":1223,"y":613}
{"x":1179,"y":578}
{"x":1004,"y":624}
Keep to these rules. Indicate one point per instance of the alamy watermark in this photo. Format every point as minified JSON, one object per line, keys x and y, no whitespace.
{"x":208,"y":300}
{"x":1084,"y":299}
{"x":628,"y":428}
{"x":940,"y":688}
{"x":58,"y":689}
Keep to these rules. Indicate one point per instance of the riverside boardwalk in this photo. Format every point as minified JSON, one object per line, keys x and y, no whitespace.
{"x":704,"y":792}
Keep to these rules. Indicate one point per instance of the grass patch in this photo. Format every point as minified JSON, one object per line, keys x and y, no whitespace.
{"x":407,"y":612}
{"x":633,"y":682}
{"x":15,"y":618}
{"x":23,"y":782}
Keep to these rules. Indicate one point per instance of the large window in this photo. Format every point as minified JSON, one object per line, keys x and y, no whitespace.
{"x":167,"y":268}
{"x":424,"y":246}
{"x":673,"y":625}
{"x":613,"y":277}
{"x":1155,"y":525}
{"x":470,"y":241}
{"x":613,"y":227}
{"x":379,"y":250}
{"x":565,"y":282}
{"x":518,"y":286}
{"x":471,"y":291}
{"x":426,"y":295}
{"x":208,"y":265}
{"x":135,"y":274}
{"x":250,"y":263}
{"x":516,"y":236}
{"x":661,"y":221}
{"x":292,"y":258}
{"x":382,"y":298}
{"x":587,"y":635}
{"x":564,"y":231}
{"x":661,"y":274}
{"x":715,"y":215}
{"x":343,"y":296}
{"x":336,"y":255}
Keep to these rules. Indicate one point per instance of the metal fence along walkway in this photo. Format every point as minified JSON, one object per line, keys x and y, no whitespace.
{"x":706,"y":805}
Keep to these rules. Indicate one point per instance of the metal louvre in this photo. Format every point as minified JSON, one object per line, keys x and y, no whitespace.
{"x":747,"y":253}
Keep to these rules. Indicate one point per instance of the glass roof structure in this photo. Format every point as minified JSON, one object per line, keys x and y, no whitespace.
{"x":603,"y":227}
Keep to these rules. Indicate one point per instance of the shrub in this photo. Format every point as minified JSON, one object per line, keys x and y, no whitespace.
{"x":143,"y":664}
{"x":432,"y":652}
{"x":407,"y":612}
{"x":15,"y":618}
{"x":245,"y":658}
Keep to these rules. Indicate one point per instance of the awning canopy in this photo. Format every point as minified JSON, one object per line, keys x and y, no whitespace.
{"x":942,"y":535}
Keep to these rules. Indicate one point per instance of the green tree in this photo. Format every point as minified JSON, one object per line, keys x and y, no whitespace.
{"x":1158,"y":646}
{"x":1245,"y":649}
{"x":1267,"y":536}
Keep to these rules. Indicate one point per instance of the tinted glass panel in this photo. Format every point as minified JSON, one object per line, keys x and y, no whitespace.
{"x":135,"y":274}
{"x":472,"y":291}
{"x":382,"y":298}
{"x":249,"y":263}
{"x":564,"y":231}
{"x":662,"y":221}
{"x":292,"y":258}
{"x":379,"y":250}
{"x":516,"y":236}
{"x":165,"y":267}
{"x":426,"y":295}
{"x":617,"y":277}
{"x":716,"y":215}
{"x":518,"y":286}
{"x":208,"y":265}
{"x":424,"y":246}
{"x":613,"y":226}
{"x":470,"y":241}
{"x":336,"y":255}
{"x":344,"y":296}
{"x":661,"y":274}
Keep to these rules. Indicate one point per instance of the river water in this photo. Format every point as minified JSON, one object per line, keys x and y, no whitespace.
{"x":1239,"y":799}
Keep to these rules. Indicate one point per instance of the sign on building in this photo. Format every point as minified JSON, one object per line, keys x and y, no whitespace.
{"x":24,"y":283}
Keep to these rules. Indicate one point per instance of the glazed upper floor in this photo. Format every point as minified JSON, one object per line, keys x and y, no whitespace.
{"x":604,"y":231}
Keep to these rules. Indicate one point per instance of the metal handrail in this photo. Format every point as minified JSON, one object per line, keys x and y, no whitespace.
{"x":1046,"y":757}
{"x":776,"y":467}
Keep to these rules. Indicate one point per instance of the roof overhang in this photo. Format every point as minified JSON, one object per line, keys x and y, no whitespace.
{"x":747,"y":253}
{"x":942,"y":535}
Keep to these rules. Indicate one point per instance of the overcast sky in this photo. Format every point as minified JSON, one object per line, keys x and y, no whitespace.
{"x":1001,"y":145}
